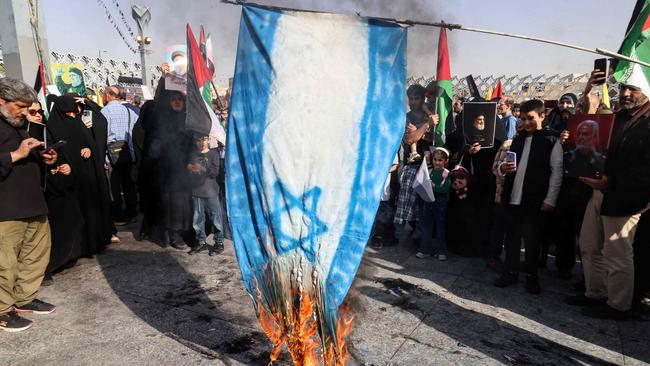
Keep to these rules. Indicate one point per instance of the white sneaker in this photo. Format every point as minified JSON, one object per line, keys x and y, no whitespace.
{"x":422,"y":255}
{"x":115,"y":239}
{"x":442,"y":257}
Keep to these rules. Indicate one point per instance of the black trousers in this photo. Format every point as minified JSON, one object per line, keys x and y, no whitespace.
{"x":123,"y":190}
{"x":526,"y":225}
{"x":570,"y":213}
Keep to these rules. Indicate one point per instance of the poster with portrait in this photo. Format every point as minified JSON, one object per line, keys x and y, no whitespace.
{"x":586,"y":148}
{"x":479,"y":121}
{"x":177,"y":60}
{"x":69,"y":78}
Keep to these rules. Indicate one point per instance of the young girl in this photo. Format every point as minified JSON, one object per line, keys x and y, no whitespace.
{"x":434,"y":214}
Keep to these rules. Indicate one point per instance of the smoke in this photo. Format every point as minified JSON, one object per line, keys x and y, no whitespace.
{"x":222,"y":20}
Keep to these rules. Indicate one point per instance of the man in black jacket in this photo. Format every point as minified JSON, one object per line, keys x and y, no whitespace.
{"x":531,"y":187}
{"x":614,"y":211}
{"x":25,"y":232}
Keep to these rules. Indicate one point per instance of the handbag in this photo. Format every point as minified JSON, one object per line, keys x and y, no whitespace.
{"x":115,"y":149}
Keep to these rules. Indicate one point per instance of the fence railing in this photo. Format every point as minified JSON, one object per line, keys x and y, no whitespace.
{"x":522,"y":87}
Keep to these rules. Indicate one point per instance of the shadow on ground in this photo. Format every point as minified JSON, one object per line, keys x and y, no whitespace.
{"x":158,"y":289}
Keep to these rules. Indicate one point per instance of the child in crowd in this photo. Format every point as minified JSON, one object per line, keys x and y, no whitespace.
{"x":434,"y":214}
{"x":204,"y":168}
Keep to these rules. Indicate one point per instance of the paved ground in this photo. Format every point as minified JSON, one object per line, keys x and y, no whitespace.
{"x":140,"y":304}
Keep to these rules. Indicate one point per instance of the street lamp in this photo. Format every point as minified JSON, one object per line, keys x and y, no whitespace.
{"x":100,"y":53}
{"x":142,"y":16}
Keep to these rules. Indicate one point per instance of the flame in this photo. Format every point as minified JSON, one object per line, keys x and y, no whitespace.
{"x":299,"y":333}
{"x":337,"y":352}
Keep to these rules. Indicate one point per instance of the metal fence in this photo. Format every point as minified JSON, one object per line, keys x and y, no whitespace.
{"x":522,"y":87}
{"x":98,"y":70}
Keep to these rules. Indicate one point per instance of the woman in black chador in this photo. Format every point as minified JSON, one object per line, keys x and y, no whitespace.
{"x":65,"y":124}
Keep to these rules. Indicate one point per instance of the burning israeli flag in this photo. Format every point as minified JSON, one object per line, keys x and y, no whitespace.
{"x":317,"y":115}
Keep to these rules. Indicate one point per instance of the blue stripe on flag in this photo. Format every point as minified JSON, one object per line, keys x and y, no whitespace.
{"x":249,"y":102}
{"x":383,"y":120}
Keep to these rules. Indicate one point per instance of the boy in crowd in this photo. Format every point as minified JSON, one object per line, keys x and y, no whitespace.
{"x":434,"y":214}
{"x":531,"y":187}
{"x":204,"y":167}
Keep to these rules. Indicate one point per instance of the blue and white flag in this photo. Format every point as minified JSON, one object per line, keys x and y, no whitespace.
{"x":316,"y":117}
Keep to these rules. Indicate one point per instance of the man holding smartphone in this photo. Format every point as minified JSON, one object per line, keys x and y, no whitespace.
{"x":25,"y":240}
{"x":532,"y":183}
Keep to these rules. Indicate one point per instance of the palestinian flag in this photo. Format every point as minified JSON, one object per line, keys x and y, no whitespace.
{"x":205,"y":45}
{"x":443,"y":80}
{"x":200,"y":117}
{"x":40,"y":85}
{"x":498,"y":91}
{"x":637,"y":46}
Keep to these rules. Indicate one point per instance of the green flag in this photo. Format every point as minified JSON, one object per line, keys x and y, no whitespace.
{"x":637,"y":46}
{"x":443,"y":80}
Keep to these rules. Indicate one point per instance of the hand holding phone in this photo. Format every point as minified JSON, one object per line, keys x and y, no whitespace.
{"x":55,"y":146}
{"x":510,"y":162}
{"x":599,"y":75}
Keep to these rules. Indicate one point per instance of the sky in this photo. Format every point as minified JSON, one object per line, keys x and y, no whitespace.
{"x":588,"y":23}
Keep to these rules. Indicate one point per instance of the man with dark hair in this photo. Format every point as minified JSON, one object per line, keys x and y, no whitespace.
{"x":418,"y":126}
{"x":612,"y":215}
{"x":531,"y":187}
{"x":24,"y":229}
{"x":121,"y":154}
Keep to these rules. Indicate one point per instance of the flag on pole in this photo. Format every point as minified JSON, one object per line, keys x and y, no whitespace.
{"x":206,"y":50}
{"x":498,"y":92}
{"x":209,"y":55}
{"x":605,"y":98}
{"x":301,"y":215}
{"x":98,"y":95}
{"x":637,"y":46}
{"x":200,"y":117}
{"x":422,"y":184}
{"x":40,"y":85}
{"x":443,"y":80}
{"x":488,"y":95}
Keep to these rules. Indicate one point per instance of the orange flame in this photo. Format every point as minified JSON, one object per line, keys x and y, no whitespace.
{"x":338,"y":351}
{"x":298,"y":332}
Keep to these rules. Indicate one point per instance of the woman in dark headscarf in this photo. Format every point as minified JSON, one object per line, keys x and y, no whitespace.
{"x":148,"y":167}
{"x":65,"y":124}
{"x":64,"y":215}
{"x":171,"y":146}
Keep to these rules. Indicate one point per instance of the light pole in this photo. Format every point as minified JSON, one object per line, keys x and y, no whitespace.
{"x":100,"y":52}
{"x":142,"y":16}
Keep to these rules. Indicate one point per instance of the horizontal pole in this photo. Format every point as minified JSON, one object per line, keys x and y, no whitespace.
{"x":408,"y":22}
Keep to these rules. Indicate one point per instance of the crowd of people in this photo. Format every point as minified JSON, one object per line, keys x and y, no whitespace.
{"x":69,"y":180}
{"x":523,"y":189}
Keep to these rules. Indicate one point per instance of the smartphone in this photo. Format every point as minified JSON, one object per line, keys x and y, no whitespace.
{"x":601,"y":65}
{"x":55,"y":146}
{"x":511,"y":157}
{"x":87,"y":118}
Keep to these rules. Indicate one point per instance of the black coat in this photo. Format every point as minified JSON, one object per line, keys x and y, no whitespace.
{"x":628,"y":164}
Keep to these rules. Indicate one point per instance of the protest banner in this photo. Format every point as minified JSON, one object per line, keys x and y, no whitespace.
{"x":69,"y":78}
{"x":479,"y":120}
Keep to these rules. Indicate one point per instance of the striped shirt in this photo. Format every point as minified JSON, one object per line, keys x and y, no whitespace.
{"x":119,"y":126}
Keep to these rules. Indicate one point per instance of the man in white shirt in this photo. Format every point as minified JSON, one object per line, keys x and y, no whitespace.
{"x":531,"y":187}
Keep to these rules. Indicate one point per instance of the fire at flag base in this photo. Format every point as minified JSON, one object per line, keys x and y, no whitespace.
{"x":288,"y":312}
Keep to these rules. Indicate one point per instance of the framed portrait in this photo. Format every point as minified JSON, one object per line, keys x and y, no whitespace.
{"x":586,"y":148}
{"x":176,"y":56}
{"x":69,"y":78}
{"x":479,"y":123}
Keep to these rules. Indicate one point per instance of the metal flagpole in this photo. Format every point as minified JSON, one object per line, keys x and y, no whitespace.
{"x":408,"y":22}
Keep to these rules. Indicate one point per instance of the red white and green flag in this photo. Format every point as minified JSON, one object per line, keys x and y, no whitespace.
{"x":637,"y":46}
{"x":40,"y":85}
{"x":443,"y":80}
{"x":200,"y":117}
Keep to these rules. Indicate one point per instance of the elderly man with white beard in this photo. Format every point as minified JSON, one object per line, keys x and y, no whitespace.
{"x":612,"y":215}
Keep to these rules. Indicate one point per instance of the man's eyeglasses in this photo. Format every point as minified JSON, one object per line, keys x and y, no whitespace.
{"x":33,"y":112}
